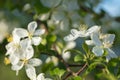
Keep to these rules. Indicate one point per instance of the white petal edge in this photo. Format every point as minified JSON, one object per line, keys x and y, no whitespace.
{"x":31,"y":72}
{"x":39,"y":32}
{"x":20,"y":32}
{"x":97,"y":51}
{"x":36,"y":40}
{"x":35,"y":62}
{"x":32,"y":26}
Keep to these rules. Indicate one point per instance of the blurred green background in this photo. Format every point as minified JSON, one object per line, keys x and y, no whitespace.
{"x":18,"y":13}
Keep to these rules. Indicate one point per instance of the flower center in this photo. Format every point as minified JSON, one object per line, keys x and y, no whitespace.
{"x":25,"y":61}
{"x":30,"y":35}
{"x":10,"y":38}
{"x":6,"y":61}
{"x":83,"y":27}
{"x":107,"y":44}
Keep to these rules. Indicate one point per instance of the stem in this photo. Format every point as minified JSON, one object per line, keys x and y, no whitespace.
{"x":85,"y":65}
{"x":66,"y":65}
{"x":77,"y":73}
{"x":75,"y":65}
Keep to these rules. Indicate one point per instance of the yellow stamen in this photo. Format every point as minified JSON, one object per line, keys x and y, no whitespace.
{"x":107,"y":44}
{"x":10,"y":38}
{"x":25,"y":61}
{"x":83,"y":27}
{"x":6,"y":61}
{"x":30,"y":35}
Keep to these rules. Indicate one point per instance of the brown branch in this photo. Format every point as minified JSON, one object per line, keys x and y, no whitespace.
{"x":85,"y":65}
{"x":66,"y":65}
{"x":77,"y":73}
{"x":75,"y":65}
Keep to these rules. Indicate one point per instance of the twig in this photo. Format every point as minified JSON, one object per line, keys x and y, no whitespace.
{"x":85,"y":65}
{"x":66,"y":65}
{"x":75,"y":65}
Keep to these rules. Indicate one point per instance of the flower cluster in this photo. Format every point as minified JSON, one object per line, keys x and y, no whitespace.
{"x":20,"y":51}
{"x":100,"y":42}
{"x":63,"y":13}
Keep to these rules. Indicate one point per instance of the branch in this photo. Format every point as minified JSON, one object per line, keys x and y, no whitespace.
{"x":75,"y":65}
{"x":66,"y":65}
{"x":85,"y":65}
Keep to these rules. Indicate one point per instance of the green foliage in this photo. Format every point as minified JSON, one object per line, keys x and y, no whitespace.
{"x":39,"y":8}
{"x":85,"y":48}
{"x":62,"y":18}
{"x":78,"y":58}
{"x":76,"y":78}
{"x":57,"y":72}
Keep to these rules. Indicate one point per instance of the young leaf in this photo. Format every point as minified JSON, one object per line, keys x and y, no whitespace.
{"x":85,"y":47}
{"x":58,"y":72}
{"x":78,"y":58}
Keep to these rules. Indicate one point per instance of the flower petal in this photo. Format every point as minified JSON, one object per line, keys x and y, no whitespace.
{"x":21,"y":33}
{"x":109,"y":38}
{"x":35,"y":62}
{"x":30,"y":71}
{"x":39,"y":32}
{"x":32,"y":26}
{"x":93,"y":29}
{"x":13,"y":59}
{"x":75,"y":32}
{"x":10,"y":48}
{"x":70,"y":37}
{"x":111,"y":54}
{"x":44,"y":16}
{"x":89,"y":42}
{"x":36,"y":40}
{"x":41,"y":76}
{"x":29,"y":52}
{"x":25,"y":43}
{"x":97,"y":51}
{"x":96,"y":40}
{"x":18,"y":66}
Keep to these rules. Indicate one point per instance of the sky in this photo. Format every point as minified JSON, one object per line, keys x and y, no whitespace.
{"x":112,"y":7}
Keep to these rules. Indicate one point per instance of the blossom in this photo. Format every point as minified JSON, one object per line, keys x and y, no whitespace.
{"x":31,"y":73}
{"x":102,"y":44}
{"x":16,"y":47}
{"x":26,"y":60}
{"x":32,"y":34}
{"x":66,"y":55}
{"x":82,"y":33}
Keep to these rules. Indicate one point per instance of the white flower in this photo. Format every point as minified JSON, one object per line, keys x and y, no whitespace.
{"x":12,"y":49}
{"x":31,"y":73}
{"x":44,"y":16}
{"x":26,"y":60}
{"x":32,"y":34}
{"x":41,"y":77}
{"x":16,"y":48}
{"x":82,"y":33}
{"x":102,"y":44}
{"x":66,"y":55}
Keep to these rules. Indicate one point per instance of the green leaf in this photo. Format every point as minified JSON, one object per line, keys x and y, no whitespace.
{"x":85,"y":47}
{"x":74,"y":51}
{"x":51,"y":38}
{"x":93,"y":65}
{"x":78,"y":58}
{"x":47,"y":67}
{"x":57,"y":72}
{"x":77,"y":78}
